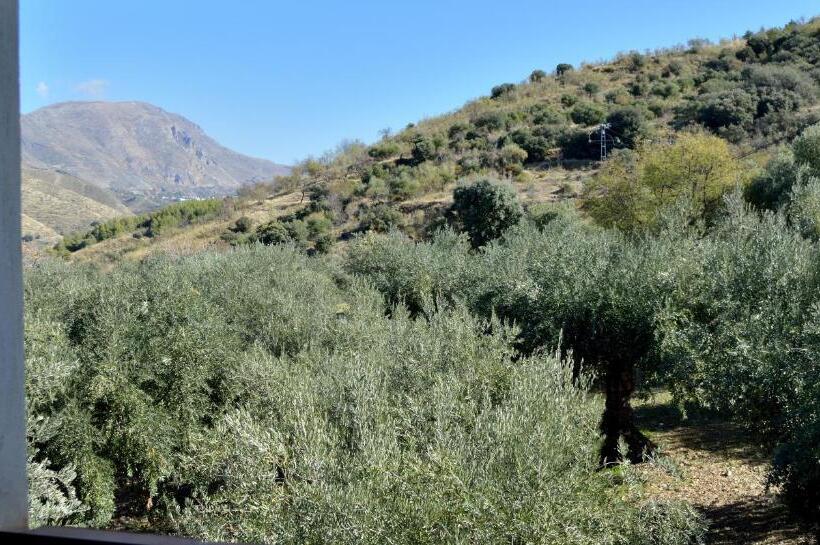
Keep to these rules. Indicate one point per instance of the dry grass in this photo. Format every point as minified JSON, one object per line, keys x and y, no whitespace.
{"x":63,"y":203}
{"x":191,"y":239}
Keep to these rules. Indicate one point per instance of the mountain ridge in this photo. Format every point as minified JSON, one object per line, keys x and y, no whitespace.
{"x":144,"y":154}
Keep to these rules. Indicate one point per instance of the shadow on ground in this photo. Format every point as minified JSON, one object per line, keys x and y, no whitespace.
{"x":701,"y":431}
{"x":720,"y":469}
{"x":756,"y":520}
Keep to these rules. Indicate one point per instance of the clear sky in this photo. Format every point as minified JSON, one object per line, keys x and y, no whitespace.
{"x":284,"y":80}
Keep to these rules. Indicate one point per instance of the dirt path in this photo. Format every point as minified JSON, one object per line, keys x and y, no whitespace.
{"x":713,"y":465}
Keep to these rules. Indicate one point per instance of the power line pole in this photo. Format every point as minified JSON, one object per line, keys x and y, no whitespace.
{"x":604,"y":127}
{"x":602,"y":138}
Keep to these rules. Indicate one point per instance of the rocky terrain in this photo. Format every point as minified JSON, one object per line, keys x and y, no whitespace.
{"x":139,"y":152}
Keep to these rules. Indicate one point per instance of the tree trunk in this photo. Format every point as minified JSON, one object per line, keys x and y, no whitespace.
{"x":617,"y":419}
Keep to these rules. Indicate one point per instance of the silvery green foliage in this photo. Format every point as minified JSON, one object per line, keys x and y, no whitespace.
{"x":52,"y":497}
{"x":422,"y":432}
{"x":415,"y":275}
{"x":262,"y":395}
{"x":740,"y":336}
{"x":727,"y":314}
{"x":804,"y":208}
{"x":52,"y":494}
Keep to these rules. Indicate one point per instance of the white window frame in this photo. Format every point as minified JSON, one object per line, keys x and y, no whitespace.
{"x":13,"y":481}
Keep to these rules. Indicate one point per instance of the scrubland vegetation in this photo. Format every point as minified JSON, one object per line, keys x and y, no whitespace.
{"x":461,"y":372}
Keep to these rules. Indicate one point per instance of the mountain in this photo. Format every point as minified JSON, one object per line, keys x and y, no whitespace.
{"x":139,"y":152}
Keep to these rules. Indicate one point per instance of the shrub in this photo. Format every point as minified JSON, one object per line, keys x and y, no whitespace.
{"x":586,"y":114}
{"x":665,"y":90}
{"x":424,"y":149}
{"x":563,"y":68}
{"x":242,"y":225}
{"x":273,"y":232}
{"x":724,"y":109}
{"x":318,"y":224}
{"x":380,"y":218}
{"x":635,"y":61}
{"x":511,"y":157}
{"x":500,"y":90}
{"x":806,"y":149}
{"x":324,"y":243}
{"x":485,"y":209}
{"x":569,"y":100}
{"x":804,"y":208}
{"x":545,"y":114}
{"x":537,"y":76}
{"x":384,"y":150}
{"x":591,"y":88}
{"x":772,"y":188}
{"x":404,"y":184}
{"x":536,"y":148}
{"x":491,"y":121}
{"x":631,"y":190}
{"x":576,"y":145}
{"x":638,"y":89}
{"x":627,"y":124}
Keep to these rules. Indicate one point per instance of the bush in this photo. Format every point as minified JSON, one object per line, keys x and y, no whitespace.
{"x":631,"y":191}
{"x":500,"y":90}
{"x":586,"y":114}
{"x":380,"y":218}
{"x":725,"y":109}
{"x":324,"y":243}
{"x":242,"y":225}
{"x":772,"y":188}
{"x":536,"y":148}
{"x":273,"y":232}
{"x":384,"y":150}
{"x":569,"y":100}
{"x":591,"y":88}
{"x":806,"y":149}
{"x":544,"y":114}
{"x":511,"y":158}
{"x":628,"y":125}
{"x":318,"y":224}
{"x":563,"y":68}
{"x":635,"y":61}
{"x":424,"y":149}
{"x":491,"y":121}
{"x":537,"y":76}
{"x":576,"y":145}
{"x":804,"y":208}
{"x":485,"y":209}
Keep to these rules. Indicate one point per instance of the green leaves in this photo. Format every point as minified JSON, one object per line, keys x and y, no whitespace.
{"x":485,"y":210}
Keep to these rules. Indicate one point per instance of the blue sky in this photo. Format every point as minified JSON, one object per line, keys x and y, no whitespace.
{"x":284,"y":80}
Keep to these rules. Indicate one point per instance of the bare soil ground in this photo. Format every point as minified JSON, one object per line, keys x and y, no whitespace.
{"x":718,"y":468}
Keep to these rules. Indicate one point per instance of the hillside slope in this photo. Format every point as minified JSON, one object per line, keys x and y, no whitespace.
{"x":56,"y":203}
{"x":143,"y":154}
{"x":542,"y":134}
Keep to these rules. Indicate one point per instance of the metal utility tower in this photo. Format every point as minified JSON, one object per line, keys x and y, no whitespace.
{"x":601,"y":136}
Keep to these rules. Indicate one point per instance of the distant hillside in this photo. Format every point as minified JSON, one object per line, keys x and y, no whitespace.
{"x":141,"y":153}
{"x":542,"y":135}
{"x":55,"y":203}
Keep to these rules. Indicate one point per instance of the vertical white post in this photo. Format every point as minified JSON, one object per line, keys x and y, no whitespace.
{"x":13,"y":483}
